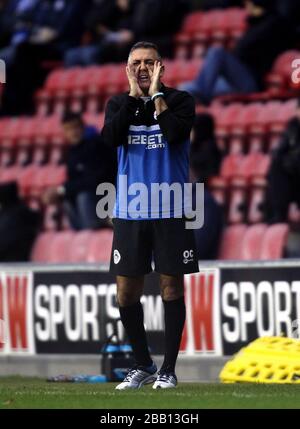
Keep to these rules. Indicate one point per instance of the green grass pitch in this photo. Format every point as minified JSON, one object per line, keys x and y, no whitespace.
{"x":20,"y":392}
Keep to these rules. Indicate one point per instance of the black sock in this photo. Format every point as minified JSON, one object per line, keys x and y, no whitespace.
{"x":174,"y":323}
{"x":132,"y":318}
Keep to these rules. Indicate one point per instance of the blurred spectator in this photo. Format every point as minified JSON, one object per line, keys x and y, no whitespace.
{"x":205,"y":160}
{"x":52,"y":27}
{"x":89,"y":163}
{"x":115,"y":25}
{"x":16,"y":21}
{"x":284,"y":173}
{"x":244,"y":69}
{"x":109,"y":23}
{"x":205,"y":156}
{"x":19,"y":225}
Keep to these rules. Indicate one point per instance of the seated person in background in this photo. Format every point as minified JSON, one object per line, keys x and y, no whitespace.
{"x":205,"y":156}
{"x":243,"y":70}
{"x":284,"y":174}
{"x":19,"y":225}
{"x":48,"y":29}
{"x":116,"y":24}
{"x":108,"y":24}
{"x":89,"y":163}
{"x":205,"y":160}
{"x":16,"y":18}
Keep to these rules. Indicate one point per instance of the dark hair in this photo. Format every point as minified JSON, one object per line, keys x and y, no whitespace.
{"x":71,"y":117}
{"x":145,"y":45}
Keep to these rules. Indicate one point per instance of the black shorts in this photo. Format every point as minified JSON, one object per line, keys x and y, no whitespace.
{"x":165,"y":242}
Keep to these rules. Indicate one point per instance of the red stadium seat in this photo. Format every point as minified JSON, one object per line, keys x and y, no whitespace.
{"x":259,"y":131}
{"x":231,"y":243}
{"x":236,"y":22}
{"x":254,"y":165}
{"x":100,"y":246}
{"x":40,"y":250}
{"x":256,"y":203}
{"x":10,"y":174}
{"x":237,"y":201}
{"x":245,"y":118}
{"x":252,"y":242}
{"x":80,"y":245}
{"x":285,"y":112}
{"x":60,"y":247}
{"x":26,"y":179}
{"x":231,"y":166}
{"x":49,"y":130}
{"x":185,"y":38}
{"x":225,"y":119}
{"x":274,"y":242}
{"x":42,"y":178}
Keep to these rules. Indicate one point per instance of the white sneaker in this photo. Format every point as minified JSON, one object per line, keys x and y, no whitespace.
{"x":165,"y":380}
{"x":137,"y":377}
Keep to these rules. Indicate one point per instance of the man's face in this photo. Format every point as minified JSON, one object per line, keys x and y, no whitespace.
{"x":142,"y":61}
{"x":73,"y":132}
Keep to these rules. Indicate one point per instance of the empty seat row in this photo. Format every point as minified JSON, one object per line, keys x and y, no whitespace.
{"x":241,"y":187}
{"x":251,"y":127}
{"x":88,"y":88}
{"x":239,"y":242}
{"x":73,"y":247}
{"x":256,"y":242}
{"x":202,"y":29}
{"x":37,"y":129}
{"x":247,"y":167}
{"x":37,"y":140}
{"x":239,"y":129}
{"x":33,"y":180}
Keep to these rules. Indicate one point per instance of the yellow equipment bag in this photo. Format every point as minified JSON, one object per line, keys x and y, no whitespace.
{"x":265,"y":360}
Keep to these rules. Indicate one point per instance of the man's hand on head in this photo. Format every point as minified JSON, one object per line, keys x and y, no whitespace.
{"x":135,"y":90}
{"x":155,"y":76}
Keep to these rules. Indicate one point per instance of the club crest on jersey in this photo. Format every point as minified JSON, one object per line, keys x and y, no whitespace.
{"x":155,"y":115}
{"x":117,"y":256}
